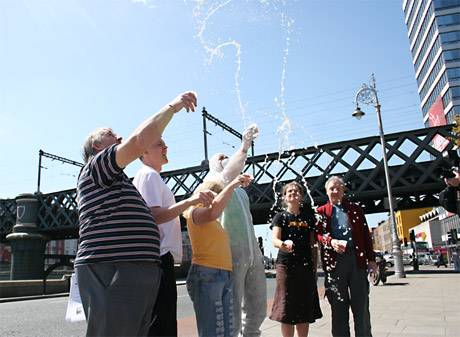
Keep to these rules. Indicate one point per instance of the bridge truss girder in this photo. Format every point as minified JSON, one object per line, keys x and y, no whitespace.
{"x":413,"y":161}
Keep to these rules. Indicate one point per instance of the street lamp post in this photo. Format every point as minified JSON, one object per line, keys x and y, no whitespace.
{"x":368,"y":95}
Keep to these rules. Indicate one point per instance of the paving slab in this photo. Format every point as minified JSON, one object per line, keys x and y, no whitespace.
{"x":426,"y":304}
{"x":420,"y":305}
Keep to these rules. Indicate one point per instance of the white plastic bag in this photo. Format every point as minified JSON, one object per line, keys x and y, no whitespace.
{"x":75,"y":312}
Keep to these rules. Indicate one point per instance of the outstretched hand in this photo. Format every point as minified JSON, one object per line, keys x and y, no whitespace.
{"x":204,"y":198}
{"x":339,"y":245}
{"x":185,"y":100}
{"x":243,"y":180}
{"x":251,"y":133}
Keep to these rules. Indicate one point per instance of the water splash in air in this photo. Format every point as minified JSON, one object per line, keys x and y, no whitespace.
{"x":216,"y":50}
{"x":285,"y":128}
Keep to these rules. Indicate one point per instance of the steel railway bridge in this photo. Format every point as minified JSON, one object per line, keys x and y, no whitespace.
{"x":413,"y":162}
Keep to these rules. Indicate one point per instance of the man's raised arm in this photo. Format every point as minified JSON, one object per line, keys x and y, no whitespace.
{"x":152,"y":129}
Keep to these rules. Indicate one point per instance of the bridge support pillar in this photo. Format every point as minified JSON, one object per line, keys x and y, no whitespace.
{"x":27,"y":245}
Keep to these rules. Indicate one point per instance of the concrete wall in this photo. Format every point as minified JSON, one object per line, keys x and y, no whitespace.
{"x":19,"y":288}
{"x":381,"y":236}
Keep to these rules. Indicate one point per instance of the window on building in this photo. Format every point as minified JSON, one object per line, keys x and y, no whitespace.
{"x":427,"y":40}
{"x":445,"y":3}
{"x":453,"y":73}
{"x":454,"y":111}
{"x":434,"y":94}
{"x":449,"y":95}
{"x":455,"y":91}
{"x":452,"y":94}
{"x":433,"y":74}
{"x":423,"y":27}
{"x":448,"y":20}
{"x":428,"y":65}
{"x":409,"y":7}
{"x":423,"y":50}
{"x":417,"y":20}
{"x":450,"y":37}
{"x":452,"y":55}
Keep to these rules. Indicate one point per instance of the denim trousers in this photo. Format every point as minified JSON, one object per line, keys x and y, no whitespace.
{"x":211,"y":291}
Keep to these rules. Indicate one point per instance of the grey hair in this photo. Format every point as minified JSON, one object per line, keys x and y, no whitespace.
{"x":94,"y":137}
{"x":334,"y":179}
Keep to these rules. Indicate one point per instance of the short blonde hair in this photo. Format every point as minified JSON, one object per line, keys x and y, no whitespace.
{"x":213,"y":185}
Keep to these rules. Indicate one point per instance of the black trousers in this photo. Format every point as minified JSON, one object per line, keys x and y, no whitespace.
{"x":117,"y":296}
{"x":347,"y":287}
{"x":164,"y":314}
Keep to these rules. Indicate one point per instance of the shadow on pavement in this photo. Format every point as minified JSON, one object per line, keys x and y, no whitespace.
{"x":395,"y":284}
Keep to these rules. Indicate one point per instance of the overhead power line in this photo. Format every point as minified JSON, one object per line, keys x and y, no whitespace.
{"x":42,"y":153}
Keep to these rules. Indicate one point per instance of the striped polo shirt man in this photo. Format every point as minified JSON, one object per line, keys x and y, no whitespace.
{"x":117,"y":262}
{"x":118,"y":259}
{"x":115,"y":222}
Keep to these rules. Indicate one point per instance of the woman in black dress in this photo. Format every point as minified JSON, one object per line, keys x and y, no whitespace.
{"x":296,"y":302}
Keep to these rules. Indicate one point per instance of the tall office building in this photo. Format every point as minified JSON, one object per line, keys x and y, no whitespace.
{"x":434,"y":34}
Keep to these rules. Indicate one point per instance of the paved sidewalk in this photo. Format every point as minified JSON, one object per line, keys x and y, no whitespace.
{"x":421,"y":305}
{"x":426,"y":304}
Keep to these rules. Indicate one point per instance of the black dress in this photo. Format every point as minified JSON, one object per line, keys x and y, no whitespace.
{"x":296,"y":296}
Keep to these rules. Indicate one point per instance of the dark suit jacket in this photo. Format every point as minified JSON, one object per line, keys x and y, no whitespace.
{"x":359,"y":231}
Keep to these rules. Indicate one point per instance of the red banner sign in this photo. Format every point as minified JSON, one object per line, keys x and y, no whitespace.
{"x":436,"y":117}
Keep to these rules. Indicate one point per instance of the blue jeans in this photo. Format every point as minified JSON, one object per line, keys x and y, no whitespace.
{"x":211,"y":291}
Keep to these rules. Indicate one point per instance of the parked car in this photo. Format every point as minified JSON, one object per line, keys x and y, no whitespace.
{"x":407,"y":260}
{"x":425,"y":258}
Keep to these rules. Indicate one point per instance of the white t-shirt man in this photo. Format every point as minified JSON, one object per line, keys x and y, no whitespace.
{"x":157,"y":194}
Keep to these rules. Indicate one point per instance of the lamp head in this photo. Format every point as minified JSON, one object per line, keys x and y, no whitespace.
{"x":358,"y":114}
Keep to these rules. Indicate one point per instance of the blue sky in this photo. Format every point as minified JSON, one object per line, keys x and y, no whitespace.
{"x":67,"y":67}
